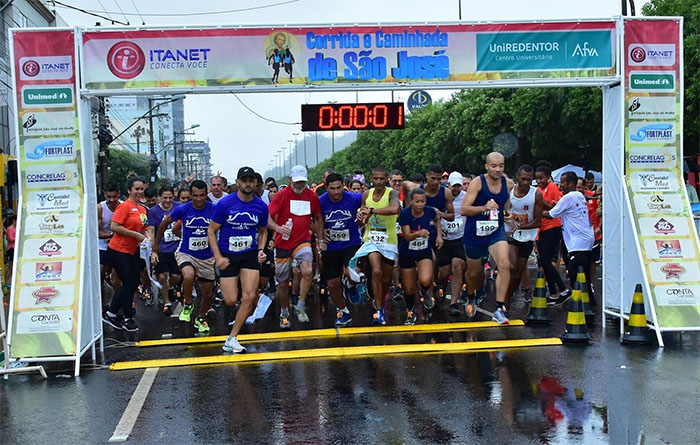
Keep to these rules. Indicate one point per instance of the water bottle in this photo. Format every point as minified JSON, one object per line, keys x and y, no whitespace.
{"x":288,"y":224}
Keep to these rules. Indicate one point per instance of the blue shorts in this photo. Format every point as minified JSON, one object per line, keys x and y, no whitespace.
{"x":481,"y":251}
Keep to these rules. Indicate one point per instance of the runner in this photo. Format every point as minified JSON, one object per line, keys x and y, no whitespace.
{"x":193,"y":255}
{"x":523,"y":222}
{"x":295,"y":207}
{"x":129,"y":224}
{"x":183,"y":195}
{"x":549,"y":236}
{"x":416,"y":251}
{"x":379,"y":213}
{"x":239,"y":224}
{"x":343,"y":237}
{"x":484,"y":234}
{"x":217,"y":186}
{"x":595,"y":217}
{"x":105,"y":211}
{"x":320,"y":189}
{"x":151,"y":194}
{"x":163,"y":253}
{"x":451,"y":258}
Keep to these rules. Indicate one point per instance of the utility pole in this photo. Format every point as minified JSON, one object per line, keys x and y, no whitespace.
{"x":296,"y":148}
{"x":104,"y":137}
{"x":306,"y":164}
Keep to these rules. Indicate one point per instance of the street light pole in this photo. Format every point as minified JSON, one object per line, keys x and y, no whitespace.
{"x":316,"y":148}
{"x":284,"y":160}
{"x":306,"y":164}
{"x":296,"y":148}
{"x":290,"y":152}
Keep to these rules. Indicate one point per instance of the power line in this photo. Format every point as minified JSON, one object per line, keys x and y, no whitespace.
{"x":181,"y":14}
{"x":120,"y":10}
{"x":263,"y":117}
{"x":143,"y":22}
{"x":56,"y":3}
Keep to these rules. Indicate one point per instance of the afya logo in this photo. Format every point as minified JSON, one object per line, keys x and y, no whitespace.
{"x":45,"y":294}
{"x":653,"y":132}
{"x":584,"y":51}
{"x":664,"y":227}
{"x":55,"y":149}
{"x":50,"y":248}
{"x":126,"y":60}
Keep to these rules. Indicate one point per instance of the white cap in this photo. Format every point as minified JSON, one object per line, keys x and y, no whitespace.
{"x":455,"y":178}
{"x":298,"y":173}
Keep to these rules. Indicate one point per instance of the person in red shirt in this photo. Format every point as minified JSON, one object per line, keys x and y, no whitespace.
{"x":594,"y":215}
{"x":291,"y":212}
{"x":129,"y":225}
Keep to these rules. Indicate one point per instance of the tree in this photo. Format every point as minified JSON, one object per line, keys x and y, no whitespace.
{"x":123,"y":162}
{"x":690,"y":10}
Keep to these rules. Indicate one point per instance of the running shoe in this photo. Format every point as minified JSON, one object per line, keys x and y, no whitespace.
{"x":500,"y":317}
{"x":201,"y":325}
{"x":427,"y":299}
{"x":211,"y":313}
{"x":463,"y":297}
{"x":343,"y":318}
{"x":350,"y":292}
{"x":232,"y":345}
{"x":148,"y":298}
{"x":129,"y":325}
{"x":379,"y":318}
{"x":455,"y":309}
{"x":411,"y":318}
{"x":284,"y":319}
{"x":362,"y":290}
{"x":115,"y":321}
{"x":471,"y":308}
{"x":480,"y":294}
{"x":563,"y":298}
{"x":301,"y":313}
{"x":168,"y":309}
{"x":186,"y":314}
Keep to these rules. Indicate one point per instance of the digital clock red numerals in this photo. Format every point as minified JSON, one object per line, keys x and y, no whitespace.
{"x":376,"y":116}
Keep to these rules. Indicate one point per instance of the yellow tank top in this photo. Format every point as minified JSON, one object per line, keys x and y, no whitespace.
{"x":381,"y":229}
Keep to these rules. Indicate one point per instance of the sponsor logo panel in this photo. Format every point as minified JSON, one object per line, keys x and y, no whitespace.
{"x":651,"y":54}
{"x":669,"y":248}
{"x":665,"y":225}
{"x":51,"y":224}
{"x":46,"y":68}
{"x":659,"y":203}
{"x":48,"y":123}
{"x":47,"y":96}
{"x":659,"y":181}
{"x":674,"y":271}
{"x":652,"y":157}
{"x":126,"y":59}
{"x":51,"y":176}
{"x":32,"y":297}
{"x":50,"y":248}
{"x":50,"y":150}
{"x":53,"y":201}
{"x":652,"y":81}
{"x":651,"y":107}
{"x":48,"y":270}
{"x":677,"y":295}
{"x":644,"y":132}
{"x":45,"y":321}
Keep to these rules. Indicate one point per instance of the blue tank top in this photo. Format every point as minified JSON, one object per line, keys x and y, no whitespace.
{"x":437,"y":201}
{"x":478,"y":230}
{"x":287,"y":59}
{"x":277,"y":59}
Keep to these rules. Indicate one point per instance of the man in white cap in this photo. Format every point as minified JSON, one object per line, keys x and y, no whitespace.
{"x":290,"y":217}
{"x":451,"y":259}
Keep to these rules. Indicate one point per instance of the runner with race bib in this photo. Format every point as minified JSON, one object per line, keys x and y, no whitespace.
{"x":451,"y":259}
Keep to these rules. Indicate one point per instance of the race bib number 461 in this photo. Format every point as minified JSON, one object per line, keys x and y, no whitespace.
{"x":239,"y":243}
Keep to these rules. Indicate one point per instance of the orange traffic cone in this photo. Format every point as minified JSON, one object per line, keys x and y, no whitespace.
{"x":637,"y":324}
{"x":575,"y":319}
{"x":538,"y":307}
{"x":585,"y":298}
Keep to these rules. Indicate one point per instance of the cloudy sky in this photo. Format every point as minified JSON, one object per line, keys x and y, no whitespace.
{"x":230,"y":127}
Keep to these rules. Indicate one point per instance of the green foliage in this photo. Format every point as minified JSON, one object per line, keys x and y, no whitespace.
{"x":690,"y":11}
{"x":123,"y":162}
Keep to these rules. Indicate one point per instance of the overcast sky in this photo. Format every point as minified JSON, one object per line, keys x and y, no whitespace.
{"x":229,"y":126}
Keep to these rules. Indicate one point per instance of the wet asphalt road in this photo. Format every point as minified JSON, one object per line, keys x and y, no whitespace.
{"x":601,"y":393}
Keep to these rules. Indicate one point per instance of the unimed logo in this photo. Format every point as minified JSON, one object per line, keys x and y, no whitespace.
{"x":126,"y":59}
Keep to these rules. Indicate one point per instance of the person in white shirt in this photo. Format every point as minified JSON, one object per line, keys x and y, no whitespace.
{"x":577,"y":229}
{"x":217,"y":186}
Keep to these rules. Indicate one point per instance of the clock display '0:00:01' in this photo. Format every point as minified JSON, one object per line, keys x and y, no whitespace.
{"x":345,"y":117}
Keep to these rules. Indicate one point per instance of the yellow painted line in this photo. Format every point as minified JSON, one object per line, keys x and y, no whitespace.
{"x":334,"y":353}
{"x":329,"y":333}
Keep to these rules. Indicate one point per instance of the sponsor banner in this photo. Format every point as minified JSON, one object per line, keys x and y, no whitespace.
{"x":53,"y":223}
{"x":669,"y":248}
{"x":651,"y":107}
{"x":654,"y":181}
{"x":51,"y":176}
{"x":46,"y":68}
{"x":34,"y":297}
{"x":50,"y":149}
{"x":674,"y":271}
{"x":48,"y":270}
{"x":53,"y":201}
{"x":657,"y":132}
{"x":651,"y":157}
{"x":660,"y":203}
{"x":651,"y":54}
{"x":664,"y":225}
{"x":652,"y":81}
{"x":47,"y":96}
{"x":50,"y":248}
{"x":357,"y":54}
{"x":50,"y":123}
{"x":677,"y":295}
{"x":44,"y":322}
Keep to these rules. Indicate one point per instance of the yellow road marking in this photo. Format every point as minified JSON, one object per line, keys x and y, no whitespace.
{"x":343,"y":352}
{"x":326,"y":333}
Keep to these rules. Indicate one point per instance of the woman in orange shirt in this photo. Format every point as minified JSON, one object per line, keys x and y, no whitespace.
{"x":549,"y":237}
{"x":129,"y":225}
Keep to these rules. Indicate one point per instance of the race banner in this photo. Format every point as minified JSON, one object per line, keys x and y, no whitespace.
{"x":288,"y":56}
{"x":45,"y":288}
{"x":653,"y":156}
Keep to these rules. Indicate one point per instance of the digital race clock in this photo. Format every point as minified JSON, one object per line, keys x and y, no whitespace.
{"x":343,"y":117}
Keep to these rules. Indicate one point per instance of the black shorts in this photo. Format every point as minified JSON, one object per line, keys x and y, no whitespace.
{"x":452,"y":248}
{"x":247,"y":260}
{"x":104,"y":259}
{"x":267,"y":269}
{"x":9,"y":255}
{"x":166,"y":263}
{"x":524,"y":247}
{"x":595,"y":253}
{"x":409,"y":262}
{"x":334,"y":262}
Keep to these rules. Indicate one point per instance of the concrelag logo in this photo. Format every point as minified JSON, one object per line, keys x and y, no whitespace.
{"x":651,"y":157}
{"x":46,"y":68}
{"x":46,"y":176}
{"x":648,"y":54}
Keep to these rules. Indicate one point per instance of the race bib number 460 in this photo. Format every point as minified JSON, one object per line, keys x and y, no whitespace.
{"x":198,"y":243}
{"x":378,"y":237}
{"x":486,"y":228}
{"x":239,"y":243}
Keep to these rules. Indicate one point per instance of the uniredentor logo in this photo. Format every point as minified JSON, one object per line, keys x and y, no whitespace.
{"x":31,"y":68}
{"x":638,"y":54}
{"x":126,"y":60}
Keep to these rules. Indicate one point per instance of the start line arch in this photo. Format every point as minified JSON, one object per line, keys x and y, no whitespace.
{"x":55,"y":312}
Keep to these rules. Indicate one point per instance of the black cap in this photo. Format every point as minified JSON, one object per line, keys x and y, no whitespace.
{"x":245,"y":171}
